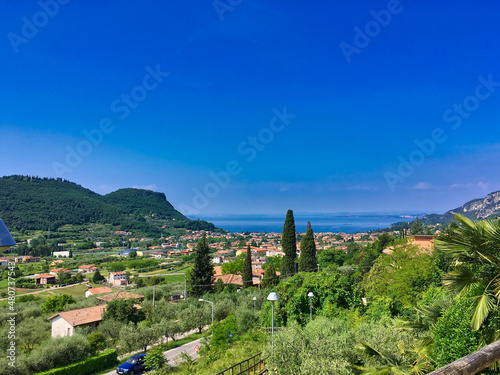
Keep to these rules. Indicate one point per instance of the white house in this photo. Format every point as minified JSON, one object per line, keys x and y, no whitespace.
{"x":64,"y":323}
{"x":117,"y":278}
{"x":61,"y":254}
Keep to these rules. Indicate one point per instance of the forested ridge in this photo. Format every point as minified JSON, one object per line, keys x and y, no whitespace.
{"x":33,"y":203}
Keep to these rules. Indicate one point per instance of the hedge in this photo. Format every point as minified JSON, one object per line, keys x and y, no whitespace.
{"x":90,"y":365}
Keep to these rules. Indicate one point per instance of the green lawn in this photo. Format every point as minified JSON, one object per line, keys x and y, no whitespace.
{"x":74,"y":291}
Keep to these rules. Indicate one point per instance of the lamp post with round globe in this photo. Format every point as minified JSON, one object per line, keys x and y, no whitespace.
{"x":273,"y":297}
{"x":310,"y":295}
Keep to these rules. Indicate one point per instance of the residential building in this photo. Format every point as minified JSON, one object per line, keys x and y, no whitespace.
{"x":28,"y":259}
{"x":95,"y":291}
{"x":45,"y":279}
{"x":64,"y":323}
{"x":55,"y":271}
{"x":230,"y":279}
{"x":85,"y":268}
{"x":118,"y":278}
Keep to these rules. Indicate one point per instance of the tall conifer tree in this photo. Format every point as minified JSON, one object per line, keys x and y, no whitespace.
{"x":289,"y":245}
{"x":307,"y":260}
{"x":247,"y":269}
{"x":270,"y":278}
{"x":202,"y":274}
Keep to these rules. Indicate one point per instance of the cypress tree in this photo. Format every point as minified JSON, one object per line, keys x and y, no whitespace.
{"x":97,"y":277}
{"x":269,"y":278}
{"x":247,"y":269}
{"x":289,"y":245}
{"x":307,"y":260}
{"x":202,"y":274}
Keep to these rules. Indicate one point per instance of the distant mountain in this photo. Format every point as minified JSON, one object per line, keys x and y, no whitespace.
{"x":476,"y":209}
{"x":41,"y":203}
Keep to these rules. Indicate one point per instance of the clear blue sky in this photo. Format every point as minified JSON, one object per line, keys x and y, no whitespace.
{"x":315,"y":107}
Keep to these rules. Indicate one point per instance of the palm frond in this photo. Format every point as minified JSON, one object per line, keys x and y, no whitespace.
{"x":465,"y":221}
{"x":459,"y":279}
{"x":484,"y":304}
{"x":388,"y":358}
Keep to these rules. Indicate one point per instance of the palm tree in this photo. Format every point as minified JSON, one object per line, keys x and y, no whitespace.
{"x":475,"y":248}
{"x":407,"y":362}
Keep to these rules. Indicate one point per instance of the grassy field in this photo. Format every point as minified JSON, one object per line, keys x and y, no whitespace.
{"x":74,"y":291}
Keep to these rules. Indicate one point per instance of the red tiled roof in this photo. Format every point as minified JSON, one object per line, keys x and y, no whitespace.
{"x":118,"y":273}
{"x":103,"y":289}
{"x":258,"y":272}
{"x":44,"y":276}
{"x":87,"y":266}
{"x":119,"y":295}
{"x":218,"y":270}
{"x":82,"y":316}
{"x":230,"y":279}
{"x":59,"y":269}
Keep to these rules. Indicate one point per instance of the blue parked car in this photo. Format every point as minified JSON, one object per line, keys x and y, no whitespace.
{"x":133,"y":365}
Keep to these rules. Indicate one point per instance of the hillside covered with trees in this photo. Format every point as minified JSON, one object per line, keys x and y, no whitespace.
{"x":32,"y":203}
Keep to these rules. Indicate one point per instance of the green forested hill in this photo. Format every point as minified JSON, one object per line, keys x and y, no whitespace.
{"x":34,"y":203}
{"x":143,"y":202}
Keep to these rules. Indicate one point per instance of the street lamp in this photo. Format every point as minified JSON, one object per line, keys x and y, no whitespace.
{"x":6,"y":239}
{"x":272,"y":297}
{"x":204,"y":300}
{"x":254,"y":300}
{"x":310,"y":295}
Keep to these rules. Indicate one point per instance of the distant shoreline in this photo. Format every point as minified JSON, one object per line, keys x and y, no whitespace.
{"x":321,"y":223}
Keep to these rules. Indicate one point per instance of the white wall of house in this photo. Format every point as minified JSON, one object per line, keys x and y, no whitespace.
{"x":60,"y":327}
{"x":61,"y":254}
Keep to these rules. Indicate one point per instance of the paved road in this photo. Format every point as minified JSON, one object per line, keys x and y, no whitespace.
{"x":172,"y":354}
{"x":189,"y":348}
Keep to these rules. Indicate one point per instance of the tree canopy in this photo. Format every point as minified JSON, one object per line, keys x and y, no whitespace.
{"x":308,"y":261}
{"x":289,"y":245}
{"x":202,"y":274}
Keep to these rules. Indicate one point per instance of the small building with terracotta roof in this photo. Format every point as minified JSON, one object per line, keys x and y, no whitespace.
{"x":44,"y":279}
{"x":120,"y":295}
{"x":64,"y":323}
{"x":230,"y":279}
{"x":87,"y":268}
{"x":55,"y":271}
{"x":95,"y":291}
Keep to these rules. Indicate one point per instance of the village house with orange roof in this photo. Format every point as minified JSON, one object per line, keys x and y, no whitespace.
{"x":96,"y":291}
{"x":64,"y":323}
{"x":45,"y":279}
{"x":227,"y":279}
{"x":55,"y":271}
{"x":85,"y":268}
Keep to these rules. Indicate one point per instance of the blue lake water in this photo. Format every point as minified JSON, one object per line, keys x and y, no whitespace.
{"x":348,"y":223}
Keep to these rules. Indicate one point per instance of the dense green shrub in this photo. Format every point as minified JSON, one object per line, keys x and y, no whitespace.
{"x":88,"y":366}
{"x":453,"y":335}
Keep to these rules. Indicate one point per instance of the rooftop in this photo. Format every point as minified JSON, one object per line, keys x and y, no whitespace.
{"x":82,"y":316}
